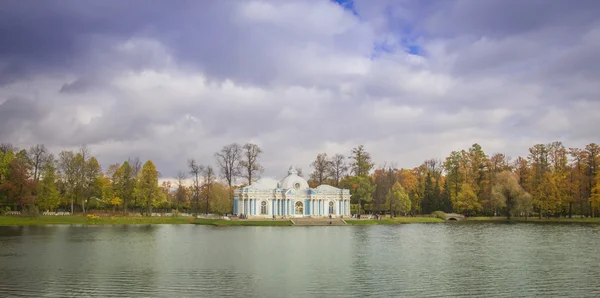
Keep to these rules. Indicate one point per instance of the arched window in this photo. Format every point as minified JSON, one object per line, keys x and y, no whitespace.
{"x":331,"y":207}
{"x":263,"y":207}
{"x":298,"y":208}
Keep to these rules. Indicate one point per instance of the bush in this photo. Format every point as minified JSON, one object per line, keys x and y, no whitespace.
{"x":30,"y":211}
{"x":439,"y":214}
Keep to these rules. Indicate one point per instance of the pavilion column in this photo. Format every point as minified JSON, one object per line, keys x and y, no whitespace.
{"x":347,"y":207}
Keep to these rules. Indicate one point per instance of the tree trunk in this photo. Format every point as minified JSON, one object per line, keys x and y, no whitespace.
{"x":570,"y":208}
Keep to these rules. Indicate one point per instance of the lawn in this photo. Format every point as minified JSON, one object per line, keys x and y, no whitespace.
{"x":83,"y":220}
{"x":595,"y":220}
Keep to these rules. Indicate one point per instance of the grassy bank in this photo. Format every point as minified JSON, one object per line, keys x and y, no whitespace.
{"x":535,"y":220}
{"x":221,"y":222}
{"x":83,"y":220}
{"x":393,"y":221}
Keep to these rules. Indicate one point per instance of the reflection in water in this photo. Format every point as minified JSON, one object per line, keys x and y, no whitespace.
{"x":492,"y":260}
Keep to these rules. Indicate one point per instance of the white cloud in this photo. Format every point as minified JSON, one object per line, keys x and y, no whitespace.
{"x":298,"y":78}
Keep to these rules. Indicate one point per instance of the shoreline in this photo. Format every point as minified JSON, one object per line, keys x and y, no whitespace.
{"x":121,"y":220}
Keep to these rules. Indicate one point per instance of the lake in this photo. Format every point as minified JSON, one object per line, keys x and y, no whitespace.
{"x":413,"y":260}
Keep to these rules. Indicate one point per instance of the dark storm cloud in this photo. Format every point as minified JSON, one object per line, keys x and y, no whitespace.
{"x":16,"y":115}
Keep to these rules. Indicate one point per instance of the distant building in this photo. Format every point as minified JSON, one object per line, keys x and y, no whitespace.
{"x":292,"y":198}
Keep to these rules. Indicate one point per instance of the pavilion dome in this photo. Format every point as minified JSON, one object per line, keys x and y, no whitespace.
{"x":292,"y":180}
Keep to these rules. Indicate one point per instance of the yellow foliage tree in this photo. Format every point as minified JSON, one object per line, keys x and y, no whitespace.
{"x":466,"y":201}
{"x":398,"y":200}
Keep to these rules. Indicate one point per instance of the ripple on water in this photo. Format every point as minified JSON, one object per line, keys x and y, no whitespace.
{"x":420,"y":260}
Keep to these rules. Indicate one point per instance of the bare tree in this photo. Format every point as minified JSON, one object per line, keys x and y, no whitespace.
{"x":136,"y":165}
{"x":299,"y":172}
{"x":195,"y":170}
{"x":83,"y":174}
{"x":5,"y":147}
{"x":249,"y":163}
{"x":180,"y":194}
{"x":228,"y":161}
{"x":338,"y":168}
{"x":66,"y":164}
{"x":38,"y":156}
{"x":209,"y":178}
{"x":322,"y":169}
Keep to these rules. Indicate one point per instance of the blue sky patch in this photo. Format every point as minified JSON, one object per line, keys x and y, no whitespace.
{"x":348,"y":5}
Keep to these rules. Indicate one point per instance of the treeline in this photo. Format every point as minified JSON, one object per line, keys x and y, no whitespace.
{"x":551,"y":180}
{"x":34,"y":180}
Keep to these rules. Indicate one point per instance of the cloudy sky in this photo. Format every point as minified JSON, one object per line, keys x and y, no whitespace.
{"x":411,"y":80}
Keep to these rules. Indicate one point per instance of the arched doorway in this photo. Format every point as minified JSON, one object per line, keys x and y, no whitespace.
{"x":263,"y":207}
{"x":331,"y":207}
{"x":298,"y":208}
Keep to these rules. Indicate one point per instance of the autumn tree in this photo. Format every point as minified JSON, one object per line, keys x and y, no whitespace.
{"x":321,"y":169}
{"x":453,"y":176}
{"x":361,"y":189}
{"x":48,"y":196}
{"x":577,"y":184}
{"x":592,"y":160}
{"x":251,"y":169}
{"x":547,"y":196}
{"x":18,"y":185}
{"x":466,"y":201}
{"x":508,"y":194}
{"x":398,"y":200}
{"x":219,"y":199}
{"x":146,"y":187}
{"x":360,"y":164}
{"x":124,"y":184}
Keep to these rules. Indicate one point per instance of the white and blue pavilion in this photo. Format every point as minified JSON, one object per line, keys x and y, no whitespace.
{"x":292,"y":198}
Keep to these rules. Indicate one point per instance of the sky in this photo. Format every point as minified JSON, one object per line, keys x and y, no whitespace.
{"x":409,"y":80}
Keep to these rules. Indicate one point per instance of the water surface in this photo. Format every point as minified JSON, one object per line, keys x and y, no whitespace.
{"x":415,"y":260}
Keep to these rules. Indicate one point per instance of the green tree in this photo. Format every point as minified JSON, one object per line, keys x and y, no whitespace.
{"x":466,"y":201}
{"x":398,"y":200}
{"x":361,"y":164}
{"x":219,"y":198}
{"x":361,"y":189}
{"x":146,"y":187}
{"x":508,"y":194}
{"x":124,"y":184}
{"x":48,"y":196}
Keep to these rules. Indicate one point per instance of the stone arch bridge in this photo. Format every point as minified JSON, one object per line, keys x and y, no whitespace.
{"x":454,"y":217}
